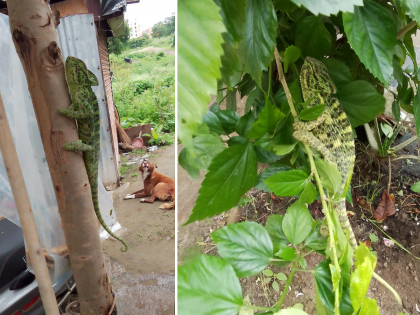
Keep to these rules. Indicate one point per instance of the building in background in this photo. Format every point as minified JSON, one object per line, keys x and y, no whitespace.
{"x":147,"y":33}
{"x":134,"y":26}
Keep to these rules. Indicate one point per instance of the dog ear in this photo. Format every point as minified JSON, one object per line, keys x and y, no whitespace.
{"x":155,"y":165}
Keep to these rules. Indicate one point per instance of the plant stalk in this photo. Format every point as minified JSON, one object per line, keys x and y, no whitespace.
{"x":289,"y":280}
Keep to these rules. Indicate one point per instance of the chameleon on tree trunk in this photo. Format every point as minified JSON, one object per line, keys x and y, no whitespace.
{"x":331,"y":133}
{"x":85,"y":109}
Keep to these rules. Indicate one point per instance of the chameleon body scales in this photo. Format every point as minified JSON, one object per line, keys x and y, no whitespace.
{"x":85,"y":109}
{"x":331,"y":133}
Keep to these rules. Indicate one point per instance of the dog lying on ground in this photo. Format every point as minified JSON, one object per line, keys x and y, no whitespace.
{"x":156,"y":185}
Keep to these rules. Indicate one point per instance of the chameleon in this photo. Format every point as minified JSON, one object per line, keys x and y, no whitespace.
{"x":85,"y":109}
{"x":331,"y":133}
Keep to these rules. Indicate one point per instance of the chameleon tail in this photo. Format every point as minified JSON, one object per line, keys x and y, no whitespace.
{"x":344,"y":220}
{"x":94,"y":189}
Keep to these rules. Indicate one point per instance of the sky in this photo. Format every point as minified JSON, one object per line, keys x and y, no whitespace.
{"x":149,"y":12}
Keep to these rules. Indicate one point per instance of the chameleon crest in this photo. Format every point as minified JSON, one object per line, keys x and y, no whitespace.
{"x":85,"y":108}
{"x":331,"y":133}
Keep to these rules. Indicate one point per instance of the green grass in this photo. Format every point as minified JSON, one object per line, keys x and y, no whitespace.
{"x":144,"y":91}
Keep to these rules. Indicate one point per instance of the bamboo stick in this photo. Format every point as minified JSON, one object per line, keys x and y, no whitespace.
{"x":30,"y":232}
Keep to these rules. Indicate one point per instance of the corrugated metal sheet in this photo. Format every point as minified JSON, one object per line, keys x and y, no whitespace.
{"x":77,"y":37}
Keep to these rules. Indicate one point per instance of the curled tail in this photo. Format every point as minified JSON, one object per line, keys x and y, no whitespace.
{"x":344,"y":220}
{"x":94,"y":189}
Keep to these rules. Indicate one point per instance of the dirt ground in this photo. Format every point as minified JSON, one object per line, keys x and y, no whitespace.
{"x":370,"y":177}
{"x":143,"y":279}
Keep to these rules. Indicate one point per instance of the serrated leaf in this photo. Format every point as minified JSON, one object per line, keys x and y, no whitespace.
{"x":237,"y":140}
{"x":311,"y":113}
{"x":206,"y":147}
{"x":228,"y":119}
{"x":233,"y":14}
{"x":269,"y":171}
{"x":275,"y":230}
{"x":183,"y":162}
{"x":281,"y":276}
{"x":213,"y":122}
{"x":330,"y":176}
{"x":245,"y":310}
{"x":414,"y":7}
{"x":372,"y":33}
{"x":250,"y":100}
{"x":361,"y":102}
{"x":302,"y":262}
{"x":297,"y":223}
{"x":266,"y":122}
{"x":276,"y":286}
{"x":328,"y":7}
{"x":231,"y":173}
{"x":245,"y":246}
{"x":416,"y":187}
{"x":267,"y":273}
{"x":230,"y":62}
{"x":286,"y":253}
{"x":245,"y":123}
{"x":257,"y":47}
{"x":291,"y":55}
{"x":231,"y":100}
{"x":338,"y":71}
{"x":208,"y":283}
{"x":312,"y":37}
{"x":309,"y":194}
{"x":198,"y":61}
{"x":315,"y":240}
{"x":287,"y":183}
{"x":373,"y":238}
{"x":266,"y":157}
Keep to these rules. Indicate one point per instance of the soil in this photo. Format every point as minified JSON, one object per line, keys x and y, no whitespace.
{"x":370,"y":177}
{"x":143,"y":279}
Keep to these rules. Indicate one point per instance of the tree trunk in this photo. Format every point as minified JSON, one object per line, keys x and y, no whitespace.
{"x":33,"y":28}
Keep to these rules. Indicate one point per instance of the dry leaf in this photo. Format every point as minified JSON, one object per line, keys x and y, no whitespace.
{"x":385,"y":209}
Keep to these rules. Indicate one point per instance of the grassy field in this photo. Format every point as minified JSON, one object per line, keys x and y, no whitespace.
{"x":144,"y":91}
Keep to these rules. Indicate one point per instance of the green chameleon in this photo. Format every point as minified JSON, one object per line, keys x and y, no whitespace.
{"x":85,"y":109}
{"x":331,"y":133}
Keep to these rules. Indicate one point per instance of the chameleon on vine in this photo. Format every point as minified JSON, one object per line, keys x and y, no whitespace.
{"x":85,"y":108}
{"x":331,"y":133}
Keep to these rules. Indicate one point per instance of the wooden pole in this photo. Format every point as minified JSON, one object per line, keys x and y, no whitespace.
{"x":26,"y":216}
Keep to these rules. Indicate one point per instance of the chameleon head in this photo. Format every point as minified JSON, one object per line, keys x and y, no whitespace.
{"x":78,"y":74}
{"x":315,"y":81}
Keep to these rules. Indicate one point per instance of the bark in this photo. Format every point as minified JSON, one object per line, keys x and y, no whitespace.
{"x":33,"y":28}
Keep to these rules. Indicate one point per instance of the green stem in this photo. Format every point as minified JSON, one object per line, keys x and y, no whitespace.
{"x":386,"y":285}
{"x":289,"y":280}
{"x":274,"y":259}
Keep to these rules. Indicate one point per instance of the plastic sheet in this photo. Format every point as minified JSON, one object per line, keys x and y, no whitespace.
{"x":22,"y":120}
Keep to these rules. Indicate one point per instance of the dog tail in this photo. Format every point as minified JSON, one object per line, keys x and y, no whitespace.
{"x":169,"y":205}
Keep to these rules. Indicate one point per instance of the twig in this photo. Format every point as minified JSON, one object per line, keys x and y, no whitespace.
{"x":412,"y":157}
{"x":283,"y":82}
{"x":406,"y":29}
{"x":389,"y":174}
{"x":409,"y":197}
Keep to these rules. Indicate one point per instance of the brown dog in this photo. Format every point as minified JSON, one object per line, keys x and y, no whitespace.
{"x":156,"y":185}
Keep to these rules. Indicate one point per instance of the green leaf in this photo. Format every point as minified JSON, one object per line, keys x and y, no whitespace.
{"x":286,"y":253}
{"x":245,"y":123}
{"x":183,"y":161}
{"x":361,"y":102}
{"x":266,"y":122}
{"x":315,"y":240}
{"x":323,"y":282}
{"x":206,"y":147}
{"x":349,"y":197}
{"x":275,"y":286}
{"x":338,"y":71}
{"x":369,"y":307}
{"x":312,"y":37}
{"x":416,"y":187}
{"x":290,"y":311}
{"x":309,"y":194}
{"x":250,"y":100}
{"x":416,"y":112}
{"x":228,"y":119}
{"x":335,"y":276}
{"x":387,"y":130}
{"x":208,"y":283}
{"x":233,"y":14}
{"x":373,"y":238}
{"x":396,"y":111}
{"x":328,"y":7}
{"x":283,"y":149}
{"x":231,"y":173}
{"x":266,"y":157}
{"x":230,"y":62}
{"x":281,"y":276}
{"x":297,"y":223}
{"x":231,"y":100}
{"x":246,"y":310}
{"x":245,"y":246}
{"x":303,"y":263}
{"x":257,"y":48}
{"x":311,"y":113}
{"x":198,"y":61}
{"x":275,"y":230}
{"x":213,"y":122}
{"x":361,"y":276}
{"x":414,"y":7}
{"x":267,"y":273}
{"x":330,"y":176}
{"x":269,"y":171}
{"x":372,"y":33}
{"x":287,"y":183}
{"x":291,"y":55}
{"x":237,"y":140}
